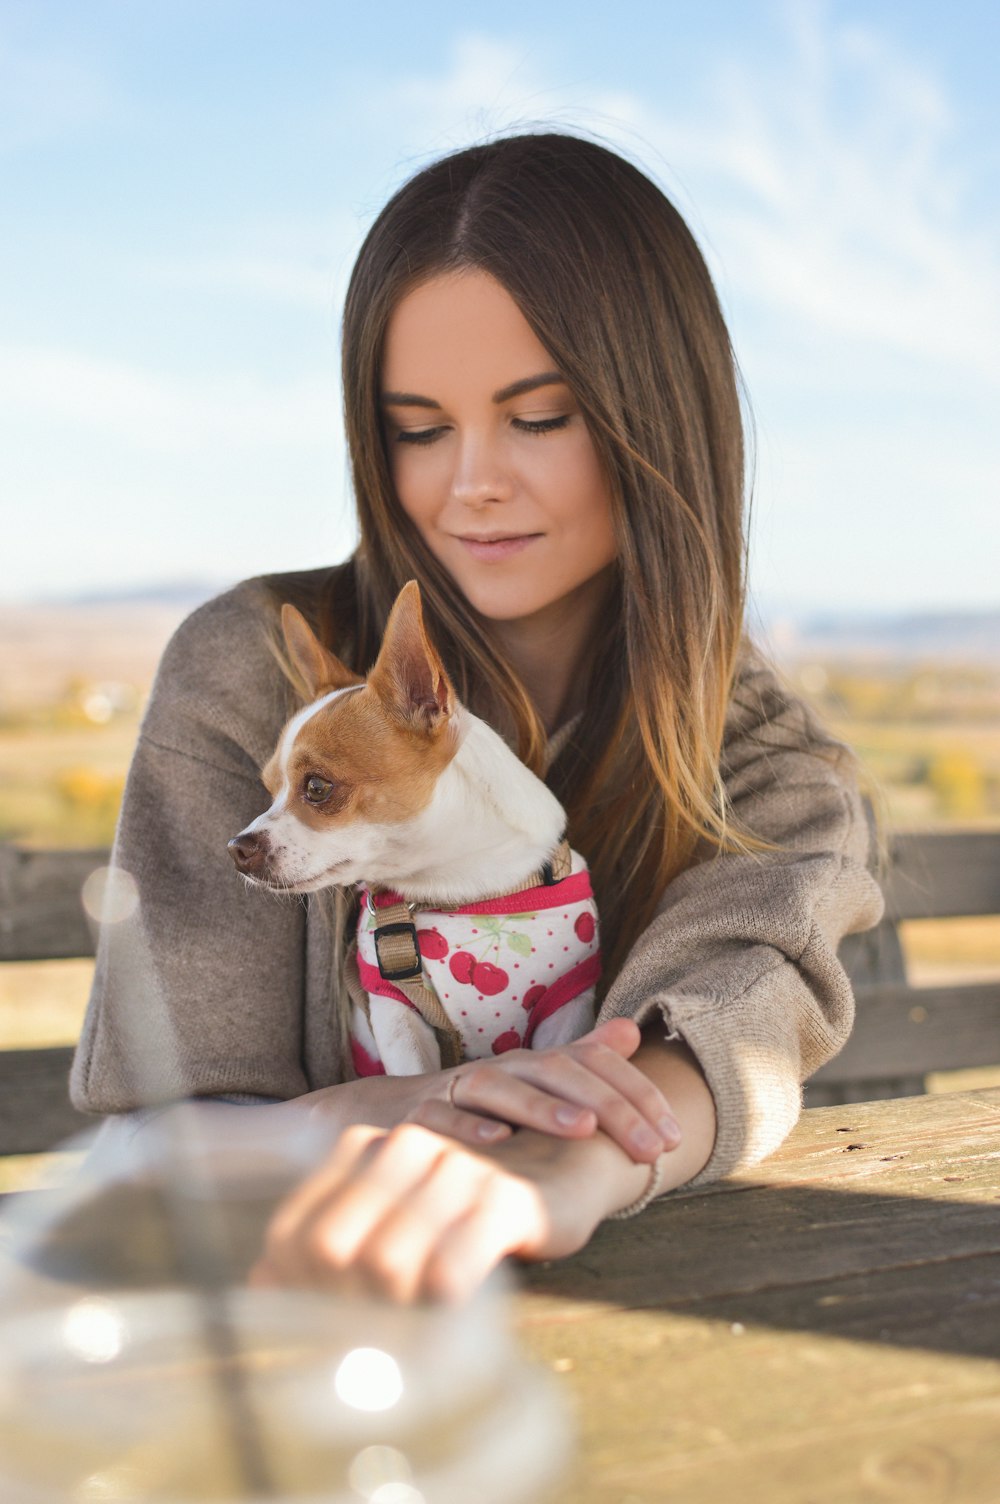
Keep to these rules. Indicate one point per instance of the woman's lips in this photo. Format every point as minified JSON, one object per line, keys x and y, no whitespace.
{"x":502,"y":549}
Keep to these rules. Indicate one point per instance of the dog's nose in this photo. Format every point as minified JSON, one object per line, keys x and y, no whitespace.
{"x":249,"y":851}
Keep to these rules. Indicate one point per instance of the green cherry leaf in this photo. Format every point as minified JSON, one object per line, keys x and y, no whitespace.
{"x":520,"y":943}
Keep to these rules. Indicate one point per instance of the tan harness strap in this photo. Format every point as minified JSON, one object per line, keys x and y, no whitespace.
{"x":428,"y":1005}
{"x":399,"y":958}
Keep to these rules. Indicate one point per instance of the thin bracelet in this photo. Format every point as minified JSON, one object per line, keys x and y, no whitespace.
{"x":651,"y":1192}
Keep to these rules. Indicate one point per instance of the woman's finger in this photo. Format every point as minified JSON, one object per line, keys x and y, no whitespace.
{"x":320,"y":1227}
{"x":466,"y":1127}
{"x":412,"y":1189}
{"x":509,"y":1217}
{"x":394,"y":1256}
{"x":569,"y":1092}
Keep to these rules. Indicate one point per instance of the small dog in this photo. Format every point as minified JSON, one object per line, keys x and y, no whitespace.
{"x":478,"y":929}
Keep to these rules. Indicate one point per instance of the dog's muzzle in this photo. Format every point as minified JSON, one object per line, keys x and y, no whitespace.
{"x":250,"y":851}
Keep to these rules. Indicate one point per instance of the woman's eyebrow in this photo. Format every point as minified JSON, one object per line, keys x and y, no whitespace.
{"x":528,"y":384}
{"x":516,"y":389}
{"x":407,"y":399}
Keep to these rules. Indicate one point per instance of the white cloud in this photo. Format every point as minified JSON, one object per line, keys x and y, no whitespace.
{"x":488,"y":86}
{"x":282,"y":280}
{"x":300,"y":264}
{"x":161,"y":412}
{"x":831,"y":182}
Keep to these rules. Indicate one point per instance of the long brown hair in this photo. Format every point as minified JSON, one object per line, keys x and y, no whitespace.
{"x":611,"y":281}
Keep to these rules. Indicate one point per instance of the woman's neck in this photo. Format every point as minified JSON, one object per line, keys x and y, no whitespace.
{"x":550,"y":649}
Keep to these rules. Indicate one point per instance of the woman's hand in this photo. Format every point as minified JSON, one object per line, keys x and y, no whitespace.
{"x":413,"y":1214}
{"x":568,"y":1092}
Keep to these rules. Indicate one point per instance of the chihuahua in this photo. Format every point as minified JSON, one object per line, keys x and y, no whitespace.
{"x":477,"y":930}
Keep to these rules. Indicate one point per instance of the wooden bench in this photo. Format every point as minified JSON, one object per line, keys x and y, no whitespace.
{"x":902,"y":1032}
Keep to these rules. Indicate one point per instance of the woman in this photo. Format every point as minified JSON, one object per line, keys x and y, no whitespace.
{"x":531,"y":346}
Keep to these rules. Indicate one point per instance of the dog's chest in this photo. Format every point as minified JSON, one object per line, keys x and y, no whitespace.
{"x":499,"y":974}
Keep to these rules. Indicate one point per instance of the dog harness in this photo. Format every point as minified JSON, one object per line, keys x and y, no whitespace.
{"x":484,"y":975}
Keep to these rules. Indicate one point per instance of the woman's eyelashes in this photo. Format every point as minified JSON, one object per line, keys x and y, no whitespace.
{"x":523,"y":425}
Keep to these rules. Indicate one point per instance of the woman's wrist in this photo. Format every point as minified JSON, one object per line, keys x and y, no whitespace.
{"x":624,"y":1186}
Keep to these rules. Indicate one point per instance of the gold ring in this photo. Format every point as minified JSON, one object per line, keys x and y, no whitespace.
{"x":450,"y":1093}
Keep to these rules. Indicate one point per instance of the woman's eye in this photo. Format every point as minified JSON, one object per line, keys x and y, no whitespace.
{"x":417,"y":435}
{"x":541,"y":425}
{"x":317,"y":790}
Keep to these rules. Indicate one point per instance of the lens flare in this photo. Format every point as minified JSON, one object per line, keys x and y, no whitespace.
{"x":383,"y":1475}
{"x":369,"y":1379}
{"x":110,"y":895}
{"x":94,"y":1331}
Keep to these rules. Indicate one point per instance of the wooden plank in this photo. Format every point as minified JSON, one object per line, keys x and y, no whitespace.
{"x":35,"y":1110}
{"x":906,"y":1176}
{"x":821,"y":1329}
{"x":41,"y":917}
{"x":873,"y":1388}
{"x":943,"y":874}
{"x":869,"y":1089}
{"x":817,"y":1149}
{"x":907,"y":1031}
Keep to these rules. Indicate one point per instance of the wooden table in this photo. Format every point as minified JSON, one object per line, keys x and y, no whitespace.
{"x":823,"y":1329}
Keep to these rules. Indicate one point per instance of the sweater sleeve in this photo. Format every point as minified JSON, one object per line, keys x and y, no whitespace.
{"x":199,"y":989}
{"x":741,"y":956}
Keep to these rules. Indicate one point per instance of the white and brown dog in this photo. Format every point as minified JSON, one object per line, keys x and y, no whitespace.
{"x":477,"y":932}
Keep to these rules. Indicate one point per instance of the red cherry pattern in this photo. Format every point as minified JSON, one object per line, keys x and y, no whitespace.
{"x":461,"y":965}
{"x":511,"y":1040}
{"x":489,"y":979}
{"x":584,"y":928}
{"x":532,"y":996}
{"x":432,"y":944}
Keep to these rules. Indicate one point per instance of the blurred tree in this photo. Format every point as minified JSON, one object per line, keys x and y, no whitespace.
{"x":959,"y":783}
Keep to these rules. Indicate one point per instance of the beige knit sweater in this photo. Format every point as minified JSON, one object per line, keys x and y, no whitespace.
{"x":740,"y":959}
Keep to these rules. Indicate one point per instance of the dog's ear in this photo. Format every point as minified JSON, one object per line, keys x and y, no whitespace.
{"x":318,"y":668}
{"x":409,"y":677}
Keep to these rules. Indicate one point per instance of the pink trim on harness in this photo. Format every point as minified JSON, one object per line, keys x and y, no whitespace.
{"x":572,"y":889}
{"x":564,"y":989}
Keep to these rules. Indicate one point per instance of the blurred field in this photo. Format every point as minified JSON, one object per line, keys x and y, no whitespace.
{"x":73,"y":685}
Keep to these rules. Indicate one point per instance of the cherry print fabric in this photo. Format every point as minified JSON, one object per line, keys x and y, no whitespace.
{"x":499,"y":967}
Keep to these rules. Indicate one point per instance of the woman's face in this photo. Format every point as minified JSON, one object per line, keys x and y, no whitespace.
{"x":486,"y":442}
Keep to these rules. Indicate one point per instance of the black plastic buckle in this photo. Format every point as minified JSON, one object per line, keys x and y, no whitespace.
{"x":403,"y":927}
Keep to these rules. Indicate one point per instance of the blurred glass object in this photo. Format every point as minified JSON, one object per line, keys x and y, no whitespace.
{"x":136,"y":1364}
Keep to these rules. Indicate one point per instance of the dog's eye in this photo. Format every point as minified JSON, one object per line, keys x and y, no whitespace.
{"x":316,"y":789}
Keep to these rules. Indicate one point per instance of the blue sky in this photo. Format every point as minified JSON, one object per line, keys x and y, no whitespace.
{"x":183,"y":187}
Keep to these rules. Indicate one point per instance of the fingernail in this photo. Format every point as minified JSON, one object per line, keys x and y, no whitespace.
{"x":568,"y":1115}
{"x":669,"y":1127}
{"x":491,"y":1130}
{"x":644,"y":1138}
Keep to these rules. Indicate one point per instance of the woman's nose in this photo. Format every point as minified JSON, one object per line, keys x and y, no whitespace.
{"x":480,"y":474}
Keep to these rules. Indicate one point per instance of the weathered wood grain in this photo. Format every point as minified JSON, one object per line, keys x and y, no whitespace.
{"x":41,"y":917}
{"x":35,"y":1110}
{"x":913,"y":1186}
{"x":943,"y":874}
{"x":723,"y":1405}
{"x":822,"y":1329}
{"x":904,"y":1030}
